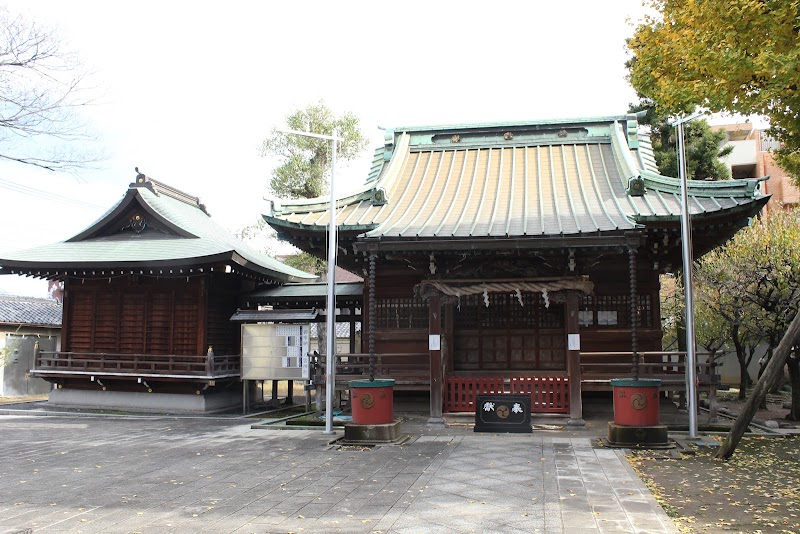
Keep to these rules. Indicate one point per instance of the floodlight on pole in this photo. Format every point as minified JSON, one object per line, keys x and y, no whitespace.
{"x":330,"y":307}
{"x":688,"y":289}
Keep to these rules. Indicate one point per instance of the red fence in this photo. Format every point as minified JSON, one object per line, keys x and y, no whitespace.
{"x":549,"y":394}
{"x":461,"y":392}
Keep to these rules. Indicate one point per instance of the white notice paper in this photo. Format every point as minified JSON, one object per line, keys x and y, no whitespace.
{"x":573,"y":342}
{"x":434,"y":342}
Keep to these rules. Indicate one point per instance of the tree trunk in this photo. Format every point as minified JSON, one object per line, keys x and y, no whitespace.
{"x":768,"y":357}
{"x":741,"y":357}
{"x":751,"y":353}
{"x":771,"y":374}
{"x":793,"y":363}
{"x":744,"y":380}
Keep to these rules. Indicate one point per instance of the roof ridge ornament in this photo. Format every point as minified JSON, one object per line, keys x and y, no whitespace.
{"x":632,"y":130}
{"x":159,"y":188}
{"x":636,"y":186}
{"x":141,"y":179}
{"x":388,"y":144}
{"x":378,"y":196}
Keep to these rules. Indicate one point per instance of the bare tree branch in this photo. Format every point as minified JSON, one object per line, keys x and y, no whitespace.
{"x":42,"y":90}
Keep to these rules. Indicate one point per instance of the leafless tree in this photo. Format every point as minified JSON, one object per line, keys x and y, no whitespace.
{"x":42,"y":89}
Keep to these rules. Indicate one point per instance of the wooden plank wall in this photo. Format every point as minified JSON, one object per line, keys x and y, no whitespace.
{"x":223,"y":297}
{"x":133,"y":314}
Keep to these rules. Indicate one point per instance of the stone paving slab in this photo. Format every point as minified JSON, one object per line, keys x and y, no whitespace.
{"x":174,"y":475}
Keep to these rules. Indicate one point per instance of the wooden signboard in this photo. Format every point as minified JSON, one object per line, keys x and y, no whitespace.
{"x":503,"y":413}
{"x":275,"y":351}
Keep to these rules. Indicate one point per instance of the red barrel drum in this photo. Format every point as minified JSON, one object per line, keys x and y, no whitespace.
{"x":372,"y":401}
{"x":636,"y":401}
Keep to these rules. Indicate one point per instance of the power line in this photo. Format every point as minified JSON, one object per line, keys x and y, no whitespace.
{"x":46,"y":195}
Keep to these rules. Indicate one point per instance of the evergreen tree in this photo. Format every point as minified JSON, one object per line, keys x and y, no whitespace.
{"x":702,"y":144}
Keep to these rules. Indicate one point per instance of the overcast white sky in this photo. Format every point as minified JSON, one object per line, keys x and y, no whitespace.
{"x":187,"y":91}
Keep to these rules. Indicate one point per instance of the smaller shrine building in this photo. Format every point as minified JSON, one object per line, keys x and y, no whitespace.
{"x":149,"y":290}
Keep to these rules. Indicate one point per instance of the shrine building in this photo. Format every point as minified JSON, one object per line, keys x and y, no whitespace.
{"x":506,"y":256}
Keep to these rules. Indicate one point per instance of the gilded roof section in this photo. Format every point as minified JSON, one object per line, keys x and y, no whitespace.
{"x":519,"y":179}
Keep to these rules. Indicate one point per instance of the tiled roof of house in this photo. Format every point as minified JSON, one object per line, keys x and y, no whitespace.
{"x":29,"y":311}
{"x":344,"y":276}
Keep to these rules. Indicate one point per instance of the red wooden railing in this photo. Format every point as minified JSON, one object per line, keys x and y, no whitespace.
{"x":460,"y":392}
{"x":549,"y":394}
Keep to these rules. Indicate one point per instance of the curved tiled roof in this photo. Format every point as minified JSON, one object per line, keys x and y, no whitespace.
{"x":186,"y":235}
{"x":569,"y":177}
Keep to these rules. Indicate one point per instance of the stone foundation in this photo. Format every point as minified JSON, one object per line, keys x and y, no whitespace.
{"x":208,"y":401}
{"x":387,"y":433}
{"x":637,"y":436}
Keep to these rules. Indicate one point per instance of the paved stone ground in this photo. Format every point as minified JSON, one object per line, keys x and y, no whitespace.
{"x":171,"y":475}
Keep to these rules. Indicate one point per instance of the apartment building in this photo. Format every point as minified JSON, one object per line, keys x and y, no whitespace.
{"x":752,"y":157}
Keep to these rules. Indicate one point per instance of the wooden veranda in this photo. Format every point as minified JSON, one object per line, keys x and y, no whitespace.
{"x":550,"y":392}
{"x":162,"y":367}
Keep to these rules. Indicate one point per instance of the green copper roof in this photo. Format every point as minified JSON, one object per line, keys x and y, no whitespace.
{"x":517,"y":179}
{"x":153,"y":225}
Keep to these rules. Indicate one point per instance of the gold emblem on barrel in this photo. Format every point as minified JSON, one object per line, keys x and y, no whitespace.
{"x":502,"y":411}
{"x":367,"y":400}
{"x":639,"y":401}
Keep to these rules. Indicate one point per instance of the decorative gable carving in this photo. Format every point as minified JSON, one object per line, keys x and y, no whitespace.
{"x":138,"y":223}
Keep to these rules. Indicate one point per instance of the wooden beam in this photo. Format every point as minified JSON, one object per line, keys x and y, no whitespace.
{"x":535,"y":243}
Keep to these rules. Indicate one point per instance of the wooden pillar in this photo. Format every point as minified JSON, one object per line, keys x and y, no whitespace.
{"x":289,"y":393}
{"x":365,"y":314}
{"x":245,"y":403}
{"x":448,"y":339}
{"x":210,"y":362}
{"x":319,"y":381}
{"x":574,"y":359}
{"x":634,"y":310}
{"x":434,"y":346}
{"x":353,"y":329}
{"x":373,"y":309}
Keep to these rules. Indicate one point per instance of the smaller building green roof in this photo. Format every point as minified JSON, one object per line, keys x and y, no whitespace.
{"x":152,"y":226}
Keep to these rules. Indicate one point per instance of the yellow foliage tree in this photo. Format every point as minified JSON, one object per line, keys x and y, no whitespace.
{"x":739,"y":56}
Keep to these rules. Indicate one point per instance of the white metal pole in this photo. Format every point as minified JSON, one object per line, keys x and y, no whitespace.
{"x":686,"y":239}
{"x":330,"y":313}
{"x":330,"y":309}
